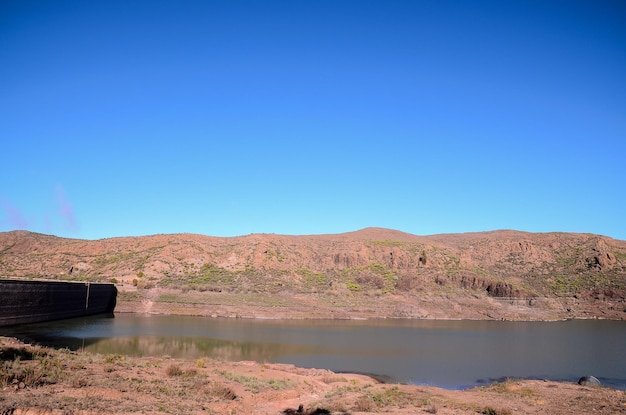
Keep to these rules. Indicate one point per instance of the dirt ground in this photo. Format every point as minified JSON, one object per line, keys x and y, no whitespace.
{"x":42,"y":381}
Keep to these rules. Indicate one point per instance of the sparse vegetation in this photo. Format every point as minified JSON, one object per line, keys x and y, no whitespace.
{"x":131,"y":296}
{"x":386,"y":243}
{"x":374,"y":276}
{"x":620,"y":255}
{"x":313,"y":280}
{"x":255,"y":384}
{"x":391,"y":396}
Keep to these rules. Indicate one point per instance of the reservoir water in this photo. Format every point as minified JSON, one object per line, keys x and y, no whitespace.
{"x":450,"y":354}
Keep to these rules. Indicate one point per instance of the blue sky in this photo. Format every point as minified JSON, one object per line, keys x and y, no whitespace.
{"x":304,"y":117}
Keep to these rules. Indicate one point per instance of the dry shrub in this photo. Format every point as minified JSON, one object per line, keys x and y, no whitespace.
{"x":174,"y":370}
{"x":28,"y":368}
{"x":190,"y":372}
{"x":364,"y":404}
{"x":301,"y":410}
{"x":221,"y":392}
{"x":488,"y":410}
{"x":79,"y":382}
{"x":113,"y":358}
{"x":333,"y":379}
{"x":13,"y":353}
{"x":368,"y":279}
{"x":17,"y":373}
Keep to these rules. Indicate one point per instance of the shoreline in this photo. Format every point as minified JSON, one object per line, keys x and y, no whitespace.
{"x":86,"y":383}
{"x":302,"y":307}
{"x":152,"y":313}
{"x":45,"y":381}
{"x":387,"y":379}
{"x":238,"y":317}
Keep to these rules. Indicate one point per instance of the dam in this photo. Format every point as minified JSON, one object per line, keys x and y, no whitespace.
{"x":34,"y":301}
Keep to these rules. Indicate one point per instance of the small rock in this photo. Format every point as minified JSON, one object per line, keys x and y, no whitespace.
{"x":22,"y":385}
{"x":589,"y":381}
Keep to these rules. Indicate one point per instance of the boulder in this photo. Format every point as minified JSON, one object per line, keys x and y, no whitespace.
{"x":589,"y":381}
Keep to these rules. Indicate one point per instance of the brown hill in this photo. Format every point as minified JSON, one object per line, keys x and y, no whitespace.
{"x":373,"y":272}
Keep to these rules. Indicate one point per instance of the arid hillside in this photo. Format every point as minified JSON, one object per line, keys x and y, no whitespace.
{"x":369,"y":273}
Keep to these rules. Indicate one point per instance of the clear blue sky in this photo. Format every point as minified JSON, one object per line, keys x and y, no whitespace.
{"x":304,"y":117}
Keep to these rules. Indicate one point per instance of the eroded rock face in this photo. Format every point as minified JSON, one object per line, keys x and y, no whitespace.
{"x":601,"y":260}
{"x":346,"y":260}
{"x":501,"y":289}
{"x":607,"y":294}
{"x":494,"y":288}
{"x":600,"y":256}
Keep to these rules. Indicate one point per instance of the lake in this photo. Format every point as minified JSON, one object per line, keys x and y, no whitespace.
{"x":449,"y":354}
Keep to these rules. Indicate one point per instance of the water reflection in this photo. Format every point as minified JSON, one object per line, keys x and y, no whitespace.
{"x":193,"y":348}
{"x":450,"y":354}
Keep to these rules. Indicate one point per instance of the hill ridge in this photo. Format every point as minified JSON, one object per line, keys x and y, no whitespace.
{"x":582,"y":273}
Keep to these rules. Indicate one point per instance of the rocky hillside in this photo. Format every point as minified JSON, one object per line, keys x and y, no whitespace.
{"x":500,"y":274}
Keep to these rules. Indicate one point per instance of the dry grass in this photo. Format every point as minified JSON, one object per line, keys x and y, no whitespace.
{"x":174,"y":370}
{"x":28,"y":367}
{"x":364,"y":404}
{"x":219,"y":391}
{"x":256,"y":384}
{"x":510,"y":386}
{"x":333,"y":379}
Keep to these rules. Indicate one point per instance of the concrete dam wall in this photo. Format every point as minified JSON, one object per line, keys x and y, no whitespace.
{"x":24,"y":302}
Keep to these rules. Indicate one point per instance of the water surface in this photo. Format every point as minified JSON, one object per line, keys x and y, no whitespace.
{"x":450,"y":354}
